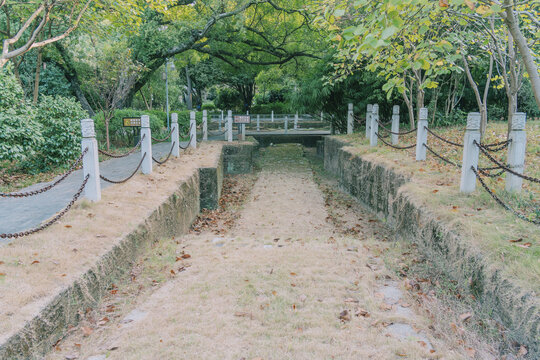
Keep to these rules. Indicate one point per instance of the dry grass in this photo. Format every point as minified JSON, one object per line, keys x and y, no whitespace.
{"x":476,"y":216}
{"x":36,"y":268}
{"x":273,"y":288}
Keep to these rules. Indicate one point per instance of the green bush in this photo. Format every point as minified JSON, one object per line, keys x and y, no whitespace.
{"x":20,"y":133}
{"x":278,"y":108}
{"x":183,"y":120}
{"x":210,"y":106}
{"x":61,"y":120}
{"x":229,"y":99}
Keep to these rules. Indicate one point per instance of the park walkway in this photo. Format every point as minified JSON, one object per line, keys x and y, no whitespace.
{"x":282,"y":283}
{"x":19,"y":214}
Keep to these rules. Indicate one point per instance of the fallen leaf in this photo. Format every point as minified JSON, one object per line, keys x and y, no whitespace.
{"x":435,"y":191}
{"x":525,"y":245}
{"x":293,"y":285}
{"x":516,"y":240}
{"x":2,"y":274}
{"x":112,"y":348}
{"x":522,"y":351}
{"x":351,"y":300}
{"x":172,"y":272}
{"x":2,"y":263}
{"x":385,"y":307}
{"x":68,"y":226}
{"x":186,"y":256}
{"x":361,"y":312}
{"x":466,"y":316}
{"x":87,"y":331}
{"x":344,"y":316}
{"x":293,"y":274}
{"x":470,"y":351}
{"x":35,"y":262}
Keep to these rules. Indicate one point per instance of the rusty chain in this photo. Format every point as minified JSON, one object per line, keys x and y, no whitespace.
{"x":50,"y":186}
{"x":505,"y":142}
{"x":500,"y":202}
{"x":168,"y":156}
{"x":394,"y":146}
{"x":189,"y":143}
{"x":441,"y":157}
{"x":164,"y":139}
{"x":51,"y":221}
{"x":441,"y":138}
{"x":126,"y":179}
{"x":395,"y":133}
{"x":126,"y":154}
{"x":486,"y":173}
{"x":492,"y":148}
{"x":506,"y":168}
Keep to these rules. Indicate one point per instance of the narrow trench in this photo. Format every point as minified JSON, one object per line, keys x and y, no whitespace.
{"x":288,"y":267}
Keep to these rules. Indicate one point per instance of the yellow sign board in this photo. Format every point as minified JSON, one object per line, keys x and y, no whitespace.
{"x":132,"y":122}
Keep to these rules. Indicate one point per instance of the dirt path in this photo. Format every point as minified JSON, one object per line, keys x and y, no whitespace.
{"x":284,"y":283}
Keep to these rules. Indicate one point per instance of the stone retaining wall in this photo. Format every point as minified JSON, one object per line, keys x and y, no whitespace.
{"x":382,"y":190}
{"x":172,"y":218}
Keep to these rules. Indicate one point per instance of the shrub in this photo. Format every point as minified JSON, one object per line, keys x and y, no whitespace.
{"x":228,"y":99}
{"x":20,"y":133}
{"x":210,"y":106}
{"x":61,"y":120}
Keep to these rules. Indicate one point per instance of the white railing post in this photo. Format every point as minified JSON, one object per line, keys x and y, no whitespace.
{"x":229,"y":126}
{"x":368,"y":120}
{"x":516,"y":152}
{"x":395,"y":124}
{"x":92,"y":190}
{"x":374,"y":126}
{"x":350,"y":119}
{"x":296,"y":121}
{"x":322,"y":116}
{"x":272,"y":116}
{"x":421,"y":135}
{"x":220,"y":120}
{"x":286,"y":123}
{"x":258,"y":123}
{"x":470,"y":153}
{"x":146,"y":145}
{"x":175,"y":136}
{"x":205,"y":125}
{"x":193,"y":127}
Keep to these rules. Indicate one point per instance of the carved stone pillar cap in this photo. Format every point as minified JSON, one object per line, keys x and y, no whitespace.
{"x":174,"y":118}
{"x":395,"y":110}
{"x":423,"y":114}
{"x":369,"y":107}
{"x":87,"y":128}
{"x":518,"y":121}
{"x":351,"y":107}
{"x":375,"y":109}
{"x":473,"y":121}
{"x":145,"y":121}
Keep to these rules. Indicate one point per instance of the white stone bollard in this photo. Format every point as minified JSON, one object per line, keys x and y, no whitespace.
{"x":296,"y":121}
{"x":272,"y":116}
{"x":92,"y":190}
{"x":368,"y":120}
{"x":395,"y":124}
{"x":470,"y":153}
{"x":205,"y":125}
{"x":242,"y":132}
{"x":220,"y":120}
{"x":258,"y":123}
{"x":286,"y":123}
{"x":374,"y":125}
{"x":146,"y":145}
{"x":350,"y":119}
{"x":322,"y":116}
{"x":516,"y":152}
{"x":421,"y":135}
{"x":193,"y":127}
{"x":229,"y":126}
{"x":175,"y":136}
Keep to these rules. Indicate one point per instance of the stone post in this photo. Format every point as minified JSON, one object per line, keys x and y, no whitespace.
{"x":272,"y":116}
{"x":516,"y":152}
{"x":296,"y":121}
{"x":220,"y":120}
{"x":229,"y":126}
{"x":92,"y":190}
{"x":368,"y":120}
{"x":175,"y":136}
{"x":286,"y":123}
{"x":258,"y":123}
{"x":374,"y":125}
{"x":193,"y":127}
{"x":322,"y":116}
{"x":205,"y":125}
{"x":243,"y":132}
{"x":421,"y":135}
{"x":146,"y":145}
{"x":470,"y":153}
{"x":395,"y":124}
{"x":350,"y":119}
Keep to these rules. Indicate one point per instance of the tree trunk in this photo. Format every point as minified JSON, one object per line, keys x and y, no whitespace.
{"x":481,"y":106}
{"x":71,"y":75}
{"x":189,"y":97}
{"x":38,"y":72}
{"x":524,"y":50}
{"x":107,"y":140}
{"x":144,"y":99}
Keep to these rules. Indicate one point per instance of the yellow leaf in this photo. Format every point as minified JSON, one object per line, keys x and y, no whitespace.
{"x":470,"y":4}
